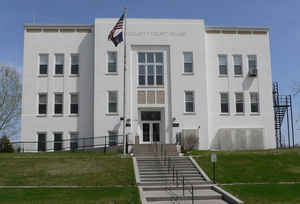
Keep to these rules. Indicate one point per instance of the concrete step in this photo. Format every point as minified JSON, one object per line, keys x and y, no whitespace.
{"x":166,"y":169}
{"x":170,"y":176}
{"x":169,"y":173}
{"x":213,"y":201}
{"x":168,"y":188}
{"x":163,"y":183}
{"x":187,"y":180}
{"x":205,"y":194}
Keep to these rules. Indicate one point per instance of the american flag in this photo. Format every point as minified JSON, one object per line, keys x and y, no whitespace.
{"x":118,"y":26}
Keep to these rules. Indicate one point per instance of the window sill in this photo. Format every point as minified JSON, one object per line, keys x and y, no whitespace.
{"x":224,"y":114}
{"x":111,"y":73}
{"x":111,"y":114}
{"x":41,"y":115}
{"x":150,"y":86}
{"x":239,"y":114}
{"x":223,"y":75}
{"x":73,"y":115}
{"x":188,"y":73}
{"x":74,"y":75}
{"x":58,"y":75}
{"x":58,"y":115}
{"x":189,"y":113}
{"x":238,"y":76}
{"x":43,"y":75}
{"x":254,"y":114}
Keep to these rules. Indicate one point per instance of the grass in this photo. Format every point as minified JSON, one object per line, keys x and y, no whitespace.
{"x":65,"y":169}
{"x":266,"y":193}
{"x":252,"y":166}
{"x":103,"y":195}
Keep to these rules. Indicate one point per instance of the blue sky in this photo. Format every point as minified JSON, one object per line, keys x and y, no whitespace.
{"x":282,"y":16}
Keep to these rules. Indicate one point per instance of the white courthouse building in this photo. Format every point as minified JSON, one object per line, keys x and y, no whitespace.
{"x":183,"y":77}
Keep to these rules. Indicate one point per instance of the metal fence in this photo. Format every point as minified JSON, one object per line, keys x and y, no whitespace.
{"x":101,"y":143}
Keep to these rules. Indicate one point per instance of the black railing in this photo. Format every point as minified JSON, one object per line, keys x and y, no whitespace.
{"x":103,"y":143}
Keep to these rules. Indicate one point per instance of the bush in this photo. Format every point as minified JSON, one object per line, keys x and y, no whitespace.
{"x":190,"y":142}
{"x":5,"y":145}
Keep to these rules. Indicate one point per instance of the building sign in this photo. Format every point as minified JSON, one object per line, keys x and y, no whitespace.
{"x":156,"y":34}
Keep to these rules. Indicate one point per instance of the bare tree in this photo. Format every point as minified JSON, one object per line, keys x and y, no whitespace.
{"x":10,"y":100}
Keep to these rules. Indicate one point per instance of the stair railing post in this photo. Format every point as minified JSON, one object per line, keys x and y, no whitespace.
{"x":192,"y":194}
{"x":183,"y":186}
{"x":104,"y":144}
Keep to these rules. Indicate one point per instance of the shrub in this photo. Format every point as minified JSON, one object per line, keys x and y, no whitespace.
{"x":5,"y":145}
{"x":190,"y":142}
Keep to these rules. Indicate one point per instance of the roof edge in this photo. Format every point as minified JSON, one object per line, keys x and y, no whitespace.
{"x":236,"y":28}
{"x":37,"y":26}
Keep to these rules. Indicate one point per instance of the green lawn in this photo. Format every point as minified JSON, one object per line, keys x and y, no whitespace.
{"x":65,"y":169}
{"x":252,"y":166}
{"x":103,"y":195}
{"x":266,"y":193}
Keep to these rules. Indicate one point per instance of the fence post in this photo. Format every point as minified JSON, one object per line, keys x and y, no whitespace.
{"x":104,"y":144}
{"x":127,"y":144}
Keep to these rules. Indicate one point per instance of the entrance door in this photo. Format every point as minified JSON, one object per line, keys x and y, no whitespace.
{"x":151,"y":132}
{"x":150,"y":126}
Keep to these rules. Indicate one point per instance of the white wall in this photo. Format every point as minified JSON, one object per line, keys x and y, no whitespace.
{"x":53,"y":43}
{"x":243,"y":44}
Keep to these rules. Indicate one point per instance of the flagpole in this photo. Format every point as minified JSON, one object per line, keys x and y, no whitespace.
{"x":124,"y":85}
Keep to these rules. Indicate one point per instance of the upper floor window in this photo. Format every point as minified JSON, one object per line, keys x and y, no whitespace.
{"x":188,"y":62}
{"x":74,"y":64}
{"x":239,"y":102}
{"x":112,"y":62}
{"x":58,"y":105}
{"x":237,"y":60}
{"x":74,"y":104}
{"x":112,"y":102}
{"x":223,"y":65}
{"x":150,"y":68}
{"x":224,"y":102}
{"x":44,"y":60}
{"x":189,"y":102}
{"x":252,"y":63}
{"x":43,"y":101}
{"x":59,"y":64}
{"x":254,"y":100}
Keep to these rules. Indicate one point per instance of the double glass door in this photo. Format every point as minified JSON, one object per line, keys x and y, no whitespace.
{"x":151,"y":131}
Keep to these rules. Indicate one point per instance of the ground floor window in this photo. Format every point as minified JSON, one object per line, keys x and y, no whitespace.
{"x":58,"y":141}
{"x":42,"y":142}
{"x":113,"y":138}
{"x":74,"y":141}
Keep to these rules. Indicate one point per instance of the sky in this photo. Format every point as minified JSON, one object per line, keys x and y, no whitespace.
{"x":281,"y":16}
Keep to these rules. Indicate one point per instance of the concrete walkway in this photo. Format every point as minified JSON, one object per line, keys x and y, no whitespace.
{"x":176,"y":180}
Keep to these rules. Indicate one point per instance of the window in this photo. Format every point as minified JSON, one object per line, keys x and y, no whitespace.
{"x":189,"y":102}
{"x":58,"y":103}
{"x":239,"y":102}
{"x":75,"y":64}
{"x":113,"y":138}
{"x":150,"y":68}
{"x":74,"y":141}
{"x":223,"y":64}
{"x":44,"y":59}
{"x":42,"y":142}
{"x":252,"y":62}
{"x":237,"y":60}
{"x":43,"y":103}
{"x":58,"y":141}
{"x":59,"y":64}
{"x":112,"y":102}
{"x":74,"y":104}
{"x":188,"y":62}
{"x":224,"y":102}
{"x":112,"y":62}
{"x":254,"y":100}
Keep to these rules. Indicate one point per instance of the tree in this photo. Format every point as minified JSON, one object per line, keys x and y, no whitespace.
{"x":5,"y":145}
{"x":10,"y":99}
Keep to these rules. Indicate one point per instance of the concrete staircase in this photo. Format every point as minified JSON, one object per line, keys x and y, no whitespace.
{"x":176,"y":179}
{"x":154,"y":150}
